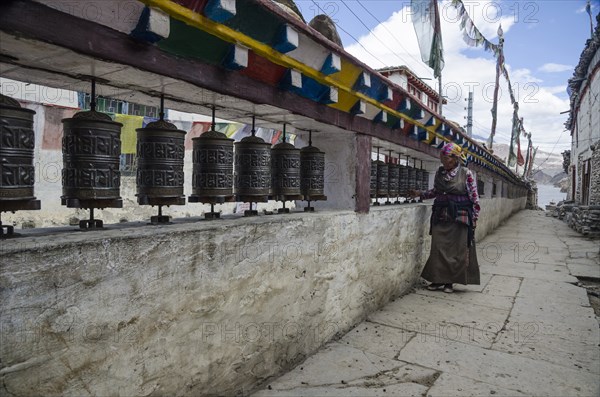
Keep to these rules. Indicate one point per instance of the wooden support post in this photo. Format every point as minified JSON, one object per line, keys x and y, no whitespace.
{"x":363,"y":173}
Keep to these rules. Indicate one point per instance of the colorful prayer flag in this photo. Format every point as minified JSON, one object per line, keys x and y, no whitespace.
{"x":128,"y":131}
{"x":471,"y":35}
{"x":426,"y":21}
{"x":514,"y":140}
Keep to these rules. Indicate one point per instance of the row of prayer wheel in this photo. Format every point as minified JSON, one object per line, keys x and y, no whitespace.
{"x":262,"y":172}
{"x":281,"y":173}
{"x":390,"y":180}
{"x":91,"y":174}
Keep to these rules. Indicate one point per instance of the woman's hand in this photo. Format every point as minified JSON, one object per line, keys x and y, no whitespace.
{"x":414,"y":193}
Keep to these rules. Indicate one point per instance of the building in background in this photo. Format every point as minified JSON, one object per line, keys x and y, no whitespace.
{"x":406,"y":79}
{"x":584,"y":124}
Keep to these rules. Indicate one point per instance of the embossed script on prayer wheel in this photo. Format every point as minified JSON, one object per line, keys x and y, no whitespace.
{"x":91,"y":151}
{"x":160,"y":153}
{"x":17,"y":142}
{"x":285,"y":172}
{"x":212,"y":178}
{"x":252,"y":181}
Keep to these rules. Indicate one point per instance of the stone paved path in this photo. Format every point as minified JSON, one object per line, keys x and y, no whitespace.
{"x":527,"y":330}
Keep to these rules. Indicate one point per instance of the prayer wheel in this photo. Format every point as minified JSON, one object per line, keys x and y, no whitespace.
{"x":312,"y":174}
{"x":418,"y":179}
{"x":403,"y":181}
{"x":91,"y":152}
{"x":412,"y":178}
{"x":422,"y":180}
{"x":425,"y":180}
{"x":252,"y":178}
{"x":382,"y":179}
{"x":285,"y":173}
{"x":212,"y":177}
{"x":373,"y":180}
{"x":393,"y":180}
{"x":160,"y":153}
{"x":17,"y":172}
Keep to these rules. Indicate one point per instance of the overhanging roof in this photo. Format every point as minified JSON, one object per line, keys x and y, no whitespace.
{"x":48,"y":46}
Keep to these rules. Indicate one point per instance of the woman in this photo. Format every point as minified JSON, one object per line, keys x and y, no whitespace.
{"x":453,"y":221}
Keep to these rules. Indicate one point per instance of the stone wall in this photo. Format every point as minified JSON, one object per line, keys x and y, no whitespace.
{"x":195,"y":308}
{"x":578,"y":176}
{"x":584,"y":219}
{"x":595,"y":176}
{"x":532,"y":197}
{"x":200,"y":308}
{"x":496,"y":211}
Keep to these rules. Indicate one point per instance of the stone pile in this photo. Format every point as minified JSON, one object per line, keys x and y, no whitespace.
{"x":563,"y":210}
{"x":586,"y":220}
{"x":551,"y":210}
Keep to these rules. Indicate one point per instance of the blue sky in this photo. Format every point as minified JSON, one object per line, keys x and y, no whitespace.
{"x":543,"y":42}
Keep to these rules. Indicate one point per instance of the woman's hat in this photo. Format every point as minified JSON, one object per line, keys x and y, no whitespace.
{"x":452,"y":149}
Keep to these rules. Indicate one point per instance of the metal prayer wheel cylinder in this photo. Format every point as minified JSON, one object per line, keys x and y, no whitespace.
{"x":382,"y":179}
{"x":212,"y":177}
{"x":252,"y":178}
{"x":418,"y":179}
{"x":425,"y":180}
{"x":17,"y":143}
{"x":91,"y":151}
{"x":403,"y":181}
{"x":312,"y":173}
{"x":160,"y":152}
{"x":412,"y":178}
{"x":393,"y":179}
{"x":285,"y":172}
{"x":373,"y":180}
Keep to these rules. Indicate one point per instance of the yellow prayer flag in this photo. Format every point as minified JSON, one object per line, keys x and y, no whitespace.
{"x":128,"y":133}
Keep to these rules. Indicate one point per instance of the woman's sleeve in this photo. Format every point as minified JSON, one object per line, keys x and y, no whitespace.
{"x":428,"y":194}
{"x":473,"y":195}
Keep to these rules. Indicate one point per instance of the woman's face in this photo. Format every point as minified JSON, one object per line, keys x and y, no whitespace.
{"x":448,"y":162}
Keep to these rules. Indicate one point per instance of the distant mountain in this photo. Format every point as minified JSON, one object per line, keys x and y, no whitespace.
{"x":542,"y":178}
{"x":550,"y":163}
{"x":556,"y":179}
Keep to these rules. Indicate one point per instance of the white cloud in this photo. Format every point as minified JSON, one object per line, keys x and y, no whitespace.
{"x":559,"y":89}
{"x":582,"y":9}
{"x":555,"y":68}
{"x":467,"y":67}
